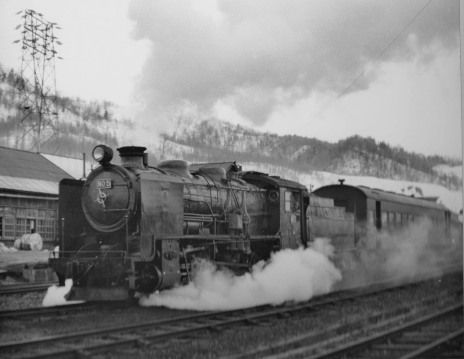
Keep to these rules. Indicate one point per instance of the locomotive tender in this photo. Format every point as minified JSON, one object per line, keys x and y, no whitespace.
{"x":135,"y":228}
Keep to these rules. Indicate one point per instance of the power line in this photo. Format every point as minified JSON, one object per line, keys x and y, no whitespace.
{"x":386,"y":48}
{"x":381,"y":53}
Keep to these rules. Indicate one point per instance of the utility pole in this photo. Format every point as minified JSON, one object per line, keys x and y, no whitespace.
{"x":461,"y":63}
{"x":37,"y":85}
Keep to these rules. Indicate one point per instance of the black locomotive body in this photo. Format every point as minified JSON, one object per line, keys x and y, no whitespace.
{"x":134,"y":228}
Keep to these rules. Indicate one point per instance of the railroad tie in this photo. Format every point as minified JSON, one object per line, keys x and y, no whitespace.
{"x":141,"y":342}
{"x":394,"y":346}
{"x":82,"y":354}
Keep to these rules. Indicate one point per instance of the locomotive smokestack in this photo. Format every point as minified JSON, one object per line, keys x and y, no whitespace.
{"x":133,"y":156}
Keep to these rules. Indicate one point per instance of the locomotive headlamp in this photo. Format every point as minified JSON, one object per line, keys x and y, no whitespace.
{"x":102,"y":154}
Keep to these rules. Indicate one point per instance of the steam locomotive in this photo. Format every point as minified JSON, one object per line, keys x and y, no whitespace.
{"x":131,"y":227}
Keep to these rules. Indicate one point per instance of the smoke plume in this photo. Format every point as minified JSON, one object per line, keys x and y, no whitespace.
{"x":289,"y":275}
{"x":255,"y":56}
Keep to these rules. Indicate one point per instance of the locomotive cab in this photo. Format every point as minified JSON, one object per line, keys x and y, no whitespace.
{"x":287,"y":202}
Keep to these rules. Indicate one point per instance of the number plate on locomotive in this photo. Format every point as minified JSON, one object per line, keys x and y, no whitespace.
{"x":104,"y":183}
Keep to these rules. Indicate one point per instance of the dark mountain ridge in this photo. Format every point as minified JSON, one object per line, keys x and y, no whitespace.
{"x":212,"y":140}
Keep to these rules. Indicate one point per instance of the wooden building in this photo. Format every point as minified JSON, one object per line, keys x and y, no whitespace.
{"x":28,"y":195}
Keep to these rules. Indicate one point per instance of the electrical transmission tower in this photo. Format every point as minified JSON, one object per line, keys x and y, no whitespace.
{"x":37,"y":84}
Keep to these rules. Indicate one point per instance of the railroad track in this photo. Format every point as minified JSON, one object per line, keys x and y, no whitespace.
{"x":24,"y":288}
{"x":415,"y":339}
{"x":98,"y":340}
{"x":60,"y":309}
{"x":313,"y":341}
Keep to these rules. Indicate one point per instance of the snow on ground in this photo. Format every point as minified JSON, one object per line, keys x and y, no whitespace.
{"x":445,"y":169}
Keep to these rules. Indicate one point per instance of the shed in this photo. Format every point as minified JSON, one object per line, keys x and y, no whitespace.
{"x":28,"y":195}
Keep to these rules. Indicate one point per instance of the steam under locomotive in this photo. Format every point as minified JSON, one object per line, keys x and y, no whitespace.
{"x":135,"y":228}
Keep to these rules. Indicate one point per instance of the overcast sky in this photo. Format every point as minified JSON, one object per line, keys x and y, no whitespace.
{"x":328,"y":69}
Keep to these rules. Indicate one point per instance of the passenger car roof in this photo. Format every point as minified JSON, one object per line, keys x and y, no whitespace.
{"x":387,"y":196}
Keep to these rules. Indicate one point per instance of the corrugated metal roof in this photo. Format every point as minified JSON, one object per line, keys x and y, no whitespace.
{"x":28,"y":185}
{"x":31,"y":165}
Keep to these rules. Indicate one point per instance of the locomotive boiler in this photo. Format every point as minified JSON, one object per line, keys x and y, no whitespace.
{"x":131,"y":227}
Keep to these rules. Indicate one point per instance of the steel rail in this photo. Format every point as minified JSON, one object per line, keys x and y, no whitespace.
{"x":59,"y":309}
{"x":182,"y":325}
{"x":65,"y":308}
{"x":417,"y":349}
{"x":430,"y":348}
{"x":284,"y":348}
{"x":24,"y":288}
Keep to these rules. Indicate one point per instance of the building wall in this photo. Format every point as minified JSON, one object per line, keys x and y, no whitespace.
{"x":19,"y":214}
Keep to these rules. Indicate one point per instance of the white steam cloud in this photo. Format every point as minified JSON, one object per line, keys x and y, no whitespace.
{"x":255,"y":56}
{"x":289,"y":275}
{"x":409,"y":253}
{"x":57,"y":295}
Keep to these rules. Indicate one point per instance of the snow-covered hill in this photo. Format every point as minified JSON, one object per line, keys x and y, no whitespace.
{"x":360,"y":161}
{"x":212,"y":140}
{"x":449,"y":170}
{"x":70,"y":127}
{"x":451,"y":198}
